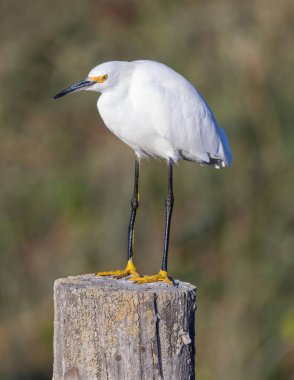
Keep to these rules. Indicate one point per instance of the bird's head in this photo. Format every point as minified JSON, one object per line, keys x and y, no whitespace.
{"x":99,"y":79}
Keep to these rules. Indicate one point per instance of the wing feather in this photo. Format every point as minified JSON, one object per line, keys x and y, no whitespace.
{"x":182,"y":116}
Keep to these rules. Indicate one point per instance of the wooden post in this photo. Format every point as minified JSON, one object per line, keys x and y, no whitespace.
{"x":114,"y":329}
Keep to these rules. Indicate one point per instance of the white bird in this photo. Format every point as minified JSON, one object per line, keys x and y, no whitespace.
{"x":158,"y":113}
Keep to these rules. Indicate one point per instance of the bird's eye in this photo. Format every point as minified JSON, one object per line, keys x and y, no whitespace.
{"x":104,"y":77}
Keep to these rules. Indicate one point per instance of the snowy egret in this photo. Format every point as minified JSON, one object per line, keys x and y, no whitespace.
{"x":158,"y":113}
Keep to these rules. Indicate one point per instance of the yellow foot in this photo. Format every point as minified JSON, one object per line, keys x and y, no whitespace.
{"x":161,"y":276}
{"x":130,"y":270}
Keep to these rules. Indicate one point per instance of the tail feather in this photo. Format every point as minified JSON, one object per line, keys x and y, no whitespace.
{"x":225,"y":148}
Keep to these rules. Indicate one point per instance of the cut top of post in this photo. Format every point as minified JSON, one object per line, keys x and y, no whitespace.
{"x":112,"y":284}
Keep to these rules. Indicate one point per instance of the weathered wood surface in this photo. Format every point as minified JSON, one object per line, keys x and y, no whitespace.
{"x":113,"y":329}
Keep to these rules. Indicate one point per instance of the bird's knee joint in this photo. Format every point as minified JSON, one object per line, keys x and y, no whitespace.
{"x":135,"y":203}
{"x":169,"y":202}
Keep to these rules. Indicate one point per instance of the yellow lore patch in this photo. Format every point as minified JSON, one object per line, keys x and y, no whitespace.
{"x":100,"y":79}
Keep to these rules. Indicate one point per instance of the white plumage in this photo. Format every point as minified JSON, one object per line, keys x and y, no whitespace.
{"x":157,"y":112}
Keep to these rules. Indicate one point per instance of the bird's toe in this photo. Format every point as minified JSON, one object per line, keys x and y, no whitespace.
{"x":160,"y":277}
{"x":130,"y":270}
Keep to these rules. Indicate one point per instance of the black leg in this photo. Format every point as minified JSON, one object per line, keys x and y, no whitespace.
{"x":162,"y":275}
{"x":135,"y":205}
{"x":169,"y":208}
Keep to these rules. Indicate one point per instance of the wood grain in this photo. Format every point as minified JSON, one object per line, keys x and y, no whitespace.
{"x":113,"y":329}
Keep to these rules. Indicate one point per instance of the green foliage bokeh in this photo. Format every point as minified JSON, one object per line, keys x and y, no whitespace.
{"x":66,"y":181}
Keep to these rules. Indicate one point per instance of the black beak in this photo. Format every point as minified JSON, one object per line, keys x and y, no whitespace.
{"x":75,"y":87}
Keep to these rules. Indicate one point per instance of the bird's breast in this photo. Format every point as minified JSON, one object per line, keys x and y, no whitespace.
{"x":132,"y":122}
{"x":117,"y":115}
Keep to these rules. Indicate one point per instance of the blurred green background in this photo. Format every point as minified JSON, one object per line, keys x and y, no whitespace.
{"x":66,"y":181}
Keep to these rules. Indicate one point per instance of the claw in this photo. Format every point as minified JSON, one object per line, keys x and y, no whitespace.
{"x":130,"y":270}
{"x":161,"y":276}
